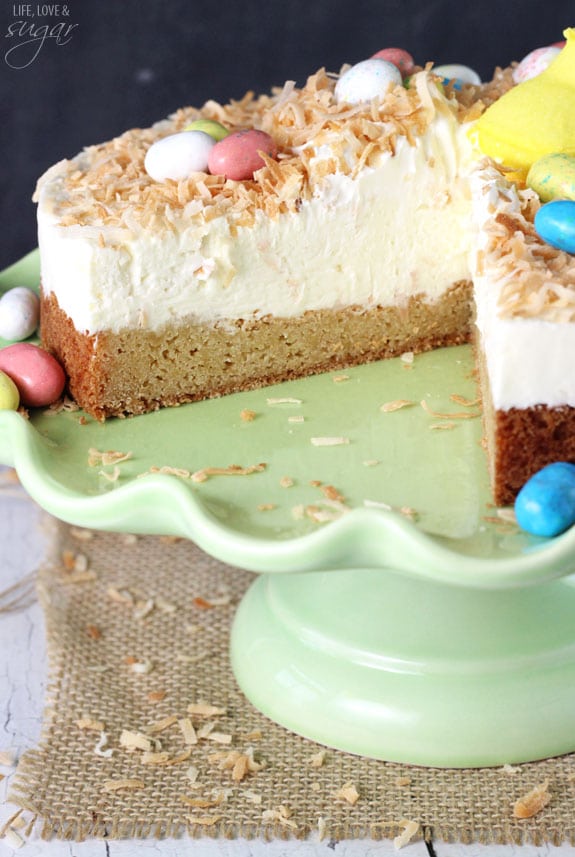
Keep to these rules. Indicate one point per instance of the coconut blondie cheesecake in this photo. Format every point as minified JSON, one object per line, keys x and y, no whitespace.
{"x":371,"y":227}
{"x":351,"y":245}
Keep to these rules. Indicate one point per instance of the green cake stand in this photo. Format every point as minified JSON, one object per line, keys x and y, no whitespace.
{"x":396,"y":614}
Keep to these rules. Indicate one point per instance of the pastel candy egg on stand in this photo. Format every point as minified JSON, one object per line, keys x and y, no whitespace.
{"x":553,"y":177}
{"x":545,"y":506}
{"x":534,"y":63}
{"x":458,"y":74}
{"x":366,"y":80}
{"x":555,"y":224}
{"x":237,"y":156}
{"x":37,"y":374}
{"x":178,"y":156}
{"x":216,"y":130}
{"x":401,"y":59}
{"x":9,"y":395}
{"x":19,"y":314}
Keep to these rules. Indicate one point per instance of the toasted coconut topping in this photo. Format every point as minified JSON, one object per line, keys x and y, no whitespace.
{"x":535,"y":279}
{"x":532,"y":802}
{"x":106,"y":187}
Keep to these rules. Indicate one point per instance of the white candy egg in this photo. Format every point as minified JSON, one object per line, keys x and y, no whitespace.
{"x":461,"y":73}
{"x":179,"y":155}
{"x":19,"y":314}
{"x":366,"y":80}
{"x":534,"y":63}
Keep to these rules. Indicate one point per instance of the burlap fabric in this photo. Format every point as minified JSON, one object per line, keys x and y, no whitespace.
{"x":138,"y":630}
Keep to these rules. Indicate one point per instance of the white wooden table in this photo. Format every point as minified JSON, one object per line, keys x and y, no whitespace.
{"x":22,"y":683}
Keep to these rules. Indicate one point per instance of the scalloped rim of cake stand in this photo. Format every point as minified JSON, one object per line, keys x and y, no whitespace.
{"x":362,"y":538}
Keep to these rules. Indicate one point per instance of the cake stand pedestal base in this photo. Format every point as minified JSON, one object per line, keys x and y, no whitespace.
{"x":384,"y":665}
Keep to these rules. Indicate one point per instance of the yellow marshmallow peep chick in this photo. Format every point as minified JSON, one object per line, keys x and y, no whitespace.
{"x":533,"y":119}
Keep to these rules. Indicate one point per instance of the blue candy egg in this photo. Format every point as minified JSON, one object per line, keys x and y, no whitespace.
{"x":555,"y":223}
{"x":545,"y":506}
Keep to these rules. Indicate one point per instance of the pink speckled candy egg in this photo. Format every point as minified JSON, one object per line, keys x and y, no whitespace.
{"x":534,"y":63}
{"x":401,"y":59}
{"x":366,"y":80}
{"x":39,"y":377}
{"x":237,"y":156}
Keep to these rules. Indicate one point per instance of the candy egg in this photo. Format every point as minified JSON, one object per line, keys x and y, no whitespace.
{"x":19,"y":313}
{"x":9,"y":395}
{"x":553,"y":177}
{"x":534,"y":63}
{"x":459,"y":73}
{"x":237,"y":155}
{"x":545,"y":506}
{"x":401,"y":59}
{"x":179,"y":155}
{"x":366,"y":80}
{"x":209,"y":126}
{"x":38,"y":376}
{"x":555,"y":223}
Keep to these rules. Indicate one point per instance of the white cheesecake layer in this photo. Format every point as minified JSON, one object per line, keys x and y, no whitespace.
{"x":399,"y":229}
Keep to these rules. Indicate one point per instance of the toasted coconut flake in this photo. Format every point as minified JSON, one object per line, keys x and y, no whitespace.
{"x":317,"y":760}
{"x":144,"y":608}
{"x":348,"y":793}
{"x":266,"y":507}
{"x":80,"y":577}
{"x":286,"y":482}
{"x":297,"y":418}
{"x":156,"y":695}
{"x":461,"y":400}
{"x":110,"y":456}
{"x":155,"y":758}
{"x":192,"y":774}
{"x":203,"y":709}
{"x":128,"y":784}
{"x":339,"y":379}
{"x":510,"y":769}
{"x":93,"y":632}
{"x":232,"y":470}
{"x":203,"y":803}
{"x":281,"y":815}
{"x":533,"y":802}
{"x":441,"y":426}
{"x":285,"y":400}
{"x":110,"y":477}
{"x":408,"y":358}
{"x":161,"y":725}
{"x":329,"y":441}
{"x":247,"y":416}
{"x":135,"y":741}
{"x":121,"y":596}
{"x":403,"y":781}
{"x":142,"y":667}
{"x":410,"y":828}
{"x":461,"y":415}
{"x":396,"y":405}
{"x":253,"y":797}
{"x":188,"y":732}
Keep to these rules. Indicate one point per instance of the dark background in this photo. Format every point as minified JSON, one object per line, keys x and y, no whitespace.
{"x":131,"y":62}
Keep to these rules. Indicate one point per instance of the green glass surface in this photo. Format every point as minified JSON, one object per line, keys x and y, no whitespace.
{"x":420,"y":637}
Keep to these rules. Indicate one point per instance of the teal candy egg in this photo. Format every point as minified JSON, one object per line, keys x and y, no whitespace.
{"x":553,"y":177}
{"x":545,"y":506}
{"x":555,"y":224}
